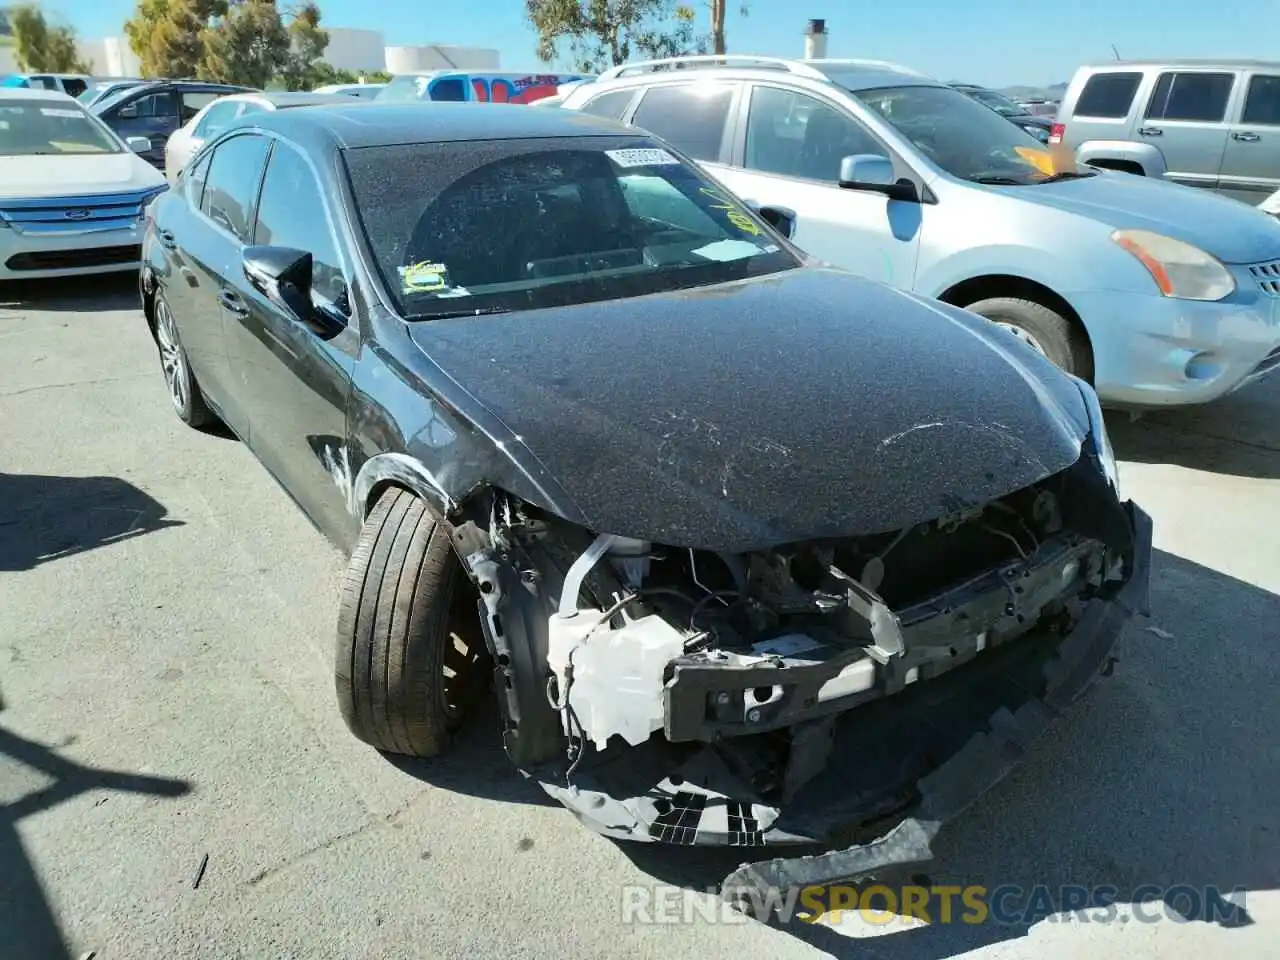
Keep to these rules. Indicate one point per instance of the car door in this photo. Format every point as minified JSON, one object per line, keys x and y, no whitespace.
{"x":151,"y":115}
{"x":1251,"y":162}
{"x":1186,"y":118}
{"x":196,"y":254}
{"x":295,"y":377}
{"x":230,"y":192}
{"x":790,"y":156}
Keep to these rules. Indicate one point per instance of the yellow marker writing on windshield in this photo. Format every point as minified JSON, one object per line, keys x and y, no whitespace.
{"x":732,"y":214}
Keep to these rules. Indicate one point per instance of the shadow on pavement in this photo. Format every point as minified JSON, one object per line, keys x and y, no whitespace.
{"x":45,"y":518}
{"x":476,"y":765}
{"x":1235,"y":436}
{"x":28,"y":926}
{"x":110,"y":291}
{"x":1155,"y":787}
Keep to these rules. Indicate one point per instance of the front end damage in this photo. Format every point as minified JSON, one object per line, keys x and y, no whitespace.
{"x":850,"y":693}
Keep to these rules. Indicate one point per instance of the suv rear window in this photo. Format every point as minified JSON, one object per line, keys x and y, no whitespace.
{"x":611,"y":105}
{"x":1262,"y":105}
{"x":1108,"y":96}
{"x":690,"y":116}
{"x":1200,"y":97}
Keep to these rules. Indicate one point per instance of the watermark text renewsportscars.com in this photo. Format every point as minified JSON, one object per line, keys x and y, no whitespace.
{"x":1005,"y":905}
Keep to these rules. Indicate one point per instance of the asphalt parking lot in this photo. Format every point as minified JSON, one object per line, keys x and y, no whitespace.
{"x":166,"y":617}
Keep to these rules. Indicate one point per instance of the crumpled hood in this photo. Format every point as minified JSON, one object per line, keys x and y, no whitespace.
{"x":1232,"y":231}
{"x":79,"y":175}
{"x":806,"y":404}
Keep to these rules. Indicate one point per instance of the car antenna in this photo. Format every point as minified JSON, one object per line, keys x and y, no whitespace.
{"x":1115,"y":51}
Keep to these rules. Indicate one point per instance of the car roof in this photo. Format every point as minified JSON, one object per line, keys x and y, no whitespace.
{"x":1174,"y":63}
{"x":34,"y":93}
{"x":350,"y":123}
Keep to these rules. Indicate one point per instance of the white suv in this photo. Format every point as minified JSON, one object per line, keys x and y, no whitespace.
{"x":1156,"y":293}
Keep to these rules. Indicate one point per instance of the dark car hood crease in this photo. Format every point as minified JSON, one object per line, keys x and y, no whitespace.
{"x":798,"y":406}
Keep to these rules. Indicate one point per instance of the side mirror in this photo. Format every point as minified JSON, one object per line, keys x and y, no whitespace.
{"x":128,"y":112}
{"x":873,"y":173}
{"x":283,"y":276}
{"x":780,"y":218}
{"x":138,"y":144}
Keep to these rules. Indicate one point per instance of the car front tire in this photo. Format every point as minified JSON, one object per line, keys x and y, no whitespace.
{"x":410,"y":660}
{"x":1044,"y":330}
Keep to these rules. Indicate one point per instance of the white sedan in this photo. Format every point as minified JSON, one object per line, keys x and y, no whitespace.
{"x":72,"y":192}
{"x":216,"y":116}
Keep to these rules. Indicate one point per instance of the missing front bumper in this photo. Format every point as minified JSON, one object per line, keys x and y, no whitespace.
{"x":881,"y":761}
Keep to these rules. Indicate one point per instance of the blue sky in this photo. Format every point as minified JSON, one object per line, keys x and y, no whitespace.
{"x":994,"y":42}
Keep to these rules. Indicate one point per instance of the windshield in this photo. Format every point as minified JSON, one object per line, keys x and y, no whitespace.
{"x":996,"y":101}
{"x":406,"y":88}
{"x":30,"y":128}
{"x":961,"y":136}
{"x":497,"y":225}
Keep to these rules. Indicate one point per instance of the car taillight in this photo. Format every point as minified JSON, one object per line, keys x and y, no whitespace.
{"x":1056,"y":131}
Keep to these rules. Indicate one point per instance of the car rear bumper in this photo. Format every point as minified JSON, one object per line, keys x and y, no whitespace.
{"x":875,"y":806}
{"x":1153,"y":351}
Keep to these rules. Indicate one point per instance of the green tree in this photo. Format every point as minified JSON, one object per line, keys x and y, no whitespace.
{"x":250,"y":46}
{"x":377,"y":76}
{"x":40,"y":47}
{"x":305,"y":68}
{"x":166,"y":35}
{"x":599,"y":34}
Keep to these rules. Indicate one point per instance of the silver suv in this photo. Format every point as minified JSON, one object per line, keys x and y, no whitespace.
{"x":1204,"y":123}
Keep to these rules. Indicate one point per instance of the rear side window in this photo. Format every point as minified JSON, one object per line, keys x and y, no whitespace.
{"x":451,"y":90}
{"x":216,"y":117}
{"x":194,"y":178}
{"x":73,"y":86}
{"x":1199,"y":97}
{"x":1262,"y":104}
{"x":232,"y":186}
{"x":611,"y":105}
{"x":690,"y":116}
{"x":1108,"y":96}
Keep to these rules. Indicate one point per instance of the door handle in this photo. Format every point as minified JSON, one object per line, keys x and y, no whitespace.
{"x":1150,"y":131}
{"x":166,"y":239}
{"x":232,"y":303}
{"x":1245,"y":137}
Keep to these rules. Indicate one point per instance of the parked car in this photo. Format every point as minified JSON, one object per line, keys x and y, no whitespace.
{"x":1146,"y":288}
{"x":158,"y":109}
{"x":1213,"y":124}
{"x":365,"y":91}
{"x":72,"y":84}
{"x":101,"y":87}
{"x":553,"y":367}
{"x":1039,"y":107}
{"x":71,"y":193}
{"x":216,"y":116}
{"x":454,"y":85}
{"x":1038,"y":127}
{"x":1271,"y":205}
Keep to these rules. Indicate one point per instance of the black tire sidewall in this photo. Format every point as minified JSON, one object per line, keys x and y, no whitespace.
{"x":1050,"y":330}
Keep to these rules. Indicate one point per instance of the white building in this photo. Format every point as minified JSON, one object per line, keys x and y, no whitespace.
{"x":353,"y":49}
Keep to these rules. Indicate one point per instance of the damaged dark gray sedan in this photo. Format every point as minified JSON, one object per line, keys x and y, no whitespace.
{"x":754,"y":552}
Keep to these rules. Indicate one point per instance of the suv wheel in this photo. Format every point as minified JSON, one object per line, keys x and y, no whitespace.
{"x":1045,"y":331}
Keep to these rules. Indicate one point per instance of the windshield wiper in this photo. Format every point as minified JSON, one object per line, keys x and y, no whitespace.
{"x":998,"y":181}
{"x":1068,"y":175}
{"x":452,"y":314}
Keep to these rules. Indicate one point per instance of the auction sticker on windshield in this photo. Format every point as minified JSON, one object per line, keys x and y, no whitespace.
{"x":424,"y":277}
{"x":642,"y":157}
{"x":57,"y":112}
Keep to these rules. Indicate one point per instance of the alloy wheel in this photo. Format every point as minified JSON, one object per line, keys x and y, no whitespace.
{"x":176,"y":374}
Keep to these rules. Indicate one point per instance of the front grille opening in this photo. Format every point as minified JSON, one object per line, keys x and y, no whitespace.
{"x":1268,"y":277}
{"x":71,"y":259}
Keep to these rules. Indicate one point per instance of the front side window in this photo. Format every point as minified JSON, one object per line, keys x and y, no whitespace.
{"x":291,"y":214}
{"x":32,"y":128}
{"x":961,"y":136}
{"x":1262,"y":105}
{"x":448,"y":89}
{"x":1198,"y":97}
{"x":690,"y":116}
{"x":519,"y":224}
{"x":1108,"y":96}
{"x":796,"y":135}
{"x":234,"y":175}
{"x":193,"y":103}
{"x":73,"y":86}
{"x":153,"y":105}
